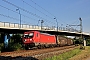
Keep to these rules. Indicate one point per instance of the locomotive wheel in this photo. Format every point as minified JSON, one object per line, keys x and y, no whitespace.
{"x":26,"y":48}
{"x":39,"y":46}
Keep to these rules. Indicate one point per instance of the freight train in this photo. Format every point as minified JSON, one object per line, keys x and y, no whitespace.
{"x":38,"y":39}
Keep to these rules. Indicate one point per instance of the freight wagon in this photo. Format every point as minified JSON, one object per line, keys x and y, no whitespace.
{"x":37,"y":39}
{"x":62,"y":41}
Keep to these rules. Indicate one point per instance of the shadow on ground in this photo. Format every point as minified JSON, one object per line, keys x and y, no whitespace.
{"x":17,"y":58}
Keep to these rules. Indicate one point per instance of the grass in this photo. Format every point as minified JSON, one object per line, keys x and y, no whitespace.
{"x":82,"y":55}
{"x":65,"y":56}
{"x":76,"y":54}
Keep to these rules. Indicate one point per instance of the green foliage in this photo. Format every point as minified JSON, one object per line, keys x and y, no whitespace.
{"x":78,"y":41}
{"x":1,"y":46}
{"x":65,"y":56}
{"x":14,"y":47}
{"x":16,"y":38}
{"x":1,"y":39}
{"x":88,"y":42}
{"x":15,"y":43}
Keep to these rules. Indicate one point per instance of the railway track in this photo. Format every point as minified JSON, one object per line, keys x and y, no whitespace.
{"x":38,"y":53}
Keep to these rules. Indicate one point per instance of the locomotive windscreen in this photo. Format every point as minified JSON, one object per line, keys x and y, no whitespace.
{"x":30,"y":35}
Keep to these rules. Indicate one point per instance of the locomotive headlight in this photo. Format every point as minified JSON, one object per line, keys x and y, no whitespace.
{"x":30,"y":39}
{"x":25,"y":40}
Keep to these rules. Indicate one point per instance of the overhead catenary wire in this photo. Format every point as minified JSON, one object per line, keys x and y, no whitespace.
{"x":25,"y":10}
{"x":28,"y":12}
{"x":42,"y":8}
{"x":40,"y":12}
{"x":9,"y":17}
{"x":12,"y":18}
{"x":36,"y":9}
{"x":16,"y":12}
{"x":75,"y":23}
{"x":47,"y":11}
{"x":22,"y":9}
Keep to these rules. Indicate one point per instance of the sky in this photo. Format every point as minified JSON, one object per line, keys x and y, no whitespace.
{"x":66,"y":12}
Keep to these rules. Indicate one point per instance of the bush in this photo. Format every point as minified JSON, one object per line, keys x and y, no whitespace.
{"x":88,"y":42}
{"x":1,"y":46}
{"x":14,"y":47}
{"x":16,"y":38}
{"x":15,"y":43}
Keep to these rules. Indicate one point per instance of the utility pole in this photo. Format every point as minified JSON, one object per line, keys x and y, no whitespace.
{"x":38,"y":23}
{"x":81,"y":37}
{"x":57,"y":30}
{"x":80,"y":26}
{"x":57,"y":24}
{"x":20,"y":16}
{"x":42,"y":24}
{"x":83,"y":41}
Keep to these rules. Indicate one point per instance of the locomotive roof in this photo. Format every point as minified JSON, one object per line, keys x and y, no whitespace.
{"x":39,"y":31}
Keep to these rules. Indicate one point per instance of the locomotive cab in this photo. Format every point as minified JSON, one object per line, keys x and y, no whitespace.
{"x":28,"y":39}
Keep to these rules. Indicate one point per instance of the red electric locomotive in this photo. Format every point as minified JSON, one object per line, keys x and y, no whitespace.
{"x":38,"y":39}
